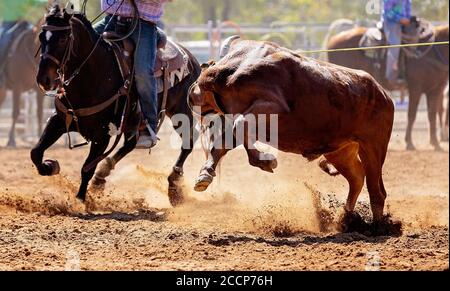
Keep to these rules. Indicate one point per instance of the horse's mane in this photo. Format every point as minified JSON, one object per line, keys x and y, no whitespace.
{"x":57,"y":16}
{"x":87,"y":25}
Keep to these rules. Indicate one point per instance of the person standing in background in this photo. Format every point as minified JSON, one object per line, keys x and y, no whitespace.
{"x":396,"y":13}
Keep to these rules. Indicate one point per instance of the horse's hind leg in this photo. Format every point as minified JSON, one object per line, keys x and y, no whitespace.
{"x":52,"y":132}
{"x":414,"y":100}
{"x":15,"y":115}
{"x":445,"y":130}
{"x":175,"y":179}
{"x":2,"y":96}
{"x":433,"y":106}
{"x":109,"y":164}
{"x":97,"y":149}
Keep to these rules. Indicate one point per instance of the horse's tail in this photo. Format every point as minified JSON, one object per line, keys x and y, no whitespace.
{"x":225,"y":48}
{"x":336,"y":27}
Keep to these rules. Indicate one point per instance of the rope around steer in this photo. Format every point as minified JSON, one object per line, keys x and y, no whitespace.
{"x":375,"y":47}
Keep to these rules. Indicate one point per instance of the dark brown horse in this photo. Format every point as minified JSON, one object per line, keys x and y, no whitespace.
{"x":97,"y":82}
{"x":20,"y":72}
{"x":428,"y":75}
{"x":322,"y":109}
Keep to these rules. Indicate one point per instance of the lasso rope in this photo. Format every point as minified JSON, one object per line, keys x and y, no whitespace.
{"x":374,"y":47}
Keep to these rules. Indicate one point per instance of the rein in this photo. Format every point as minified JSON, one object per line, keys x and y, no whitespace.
{"x":73,"y":115}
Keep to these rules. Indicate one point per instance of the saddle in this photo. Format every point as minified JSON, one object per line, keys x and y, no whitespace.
{"x":170,"y":67}
{"x":420,"y":31}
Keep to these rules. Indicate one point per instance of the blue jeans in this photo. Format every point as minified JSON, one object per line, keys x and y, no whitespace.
{"x":393,"y":33}
{"x":144,"y":62}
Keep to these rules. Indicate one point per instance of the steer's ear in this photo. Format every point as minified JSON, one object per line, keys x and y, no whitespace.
{"x":207,"y":65}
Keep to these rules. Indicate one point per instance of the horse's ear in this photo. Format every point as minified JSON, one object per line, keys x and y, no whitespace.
{"x":70,"y":8}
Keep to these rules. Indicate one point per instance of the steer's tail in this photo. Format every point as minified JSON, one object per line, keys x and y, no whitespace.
{"x":328,"y":168}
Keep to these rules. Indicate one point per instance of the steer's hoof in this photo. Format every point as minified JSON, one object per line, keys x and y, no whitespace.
{"x":203,"y":181}
{"x":98,"y":180}
{"x":54,"y":166}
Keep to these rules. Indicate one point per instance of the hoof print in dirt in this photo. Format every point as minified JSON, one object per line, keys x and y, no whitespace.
{"x":353,"y":222}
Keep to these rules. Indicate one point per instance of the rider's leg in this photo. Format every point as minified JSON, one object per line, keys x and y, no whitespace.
{"x":106,"y":24}
{"x":394,"y":37}
{"x":145,"y":58}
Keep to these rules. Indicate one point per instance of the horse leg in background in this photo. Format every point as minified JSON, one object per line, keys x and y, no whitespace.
{"x":441,"y":116}
{"x":414,"y":99}
{"x":97,"y":149}
{"x":15,"y":115}
{"x":432,"y":104}
{"x":109,"y":164}
{"x":54,"y":129}
{"x":2,"y":96}
{"x":445,"y":132}
{"x":402,"y":96}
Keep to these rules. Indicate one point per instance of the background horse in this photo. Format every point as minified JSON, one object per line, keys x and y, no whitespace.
{"x":20,"y":72}
{"x":427,"y":75}
{"x":98,"y":81}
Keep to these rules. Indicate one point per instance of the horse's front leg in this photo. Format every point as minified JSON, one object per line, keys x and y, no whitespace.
{"x":53,"y":130}
{"x":110,"y":163}
{"x":97,"y":149}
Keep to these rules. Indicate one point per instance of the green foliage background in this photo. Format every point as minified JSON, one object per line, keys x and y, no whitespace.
{"x":267,"y":11}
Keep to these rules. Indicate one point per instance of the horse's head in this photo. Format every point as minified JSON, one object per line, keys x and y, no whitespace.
{"x":55,"y":39}
{"x":413,"y":29}
{"x":63,"y":39}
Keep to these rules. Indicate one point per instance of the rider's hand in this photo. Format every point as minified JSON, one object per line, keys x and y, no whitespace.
{"x":405,"y":21}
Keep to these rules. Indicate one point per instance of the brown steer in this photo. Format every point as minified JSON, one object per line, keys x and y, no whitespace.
{"x":323,"y":110}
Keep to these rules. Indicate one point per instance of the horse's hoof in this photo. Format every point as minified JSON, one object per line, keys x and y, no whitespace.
{"x":54,"y":166}
{"x":11,"y":144}
{"x":203,"y":181}
{"x":82,"y":198}
{"x":410,"y":147}
{"x":438,"y":149}
{"x":445,"y":135}
{"x":176,"y":197}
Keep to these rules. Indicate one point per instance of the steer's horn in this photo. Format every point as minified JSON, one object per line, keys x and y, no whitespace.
{"x":227,"y":45}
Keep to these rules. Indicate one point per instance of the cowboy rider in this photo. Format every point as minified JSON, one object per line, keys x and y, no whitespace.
{"x":396,"y":13}
{"x":150,"y":12}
